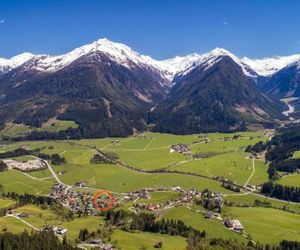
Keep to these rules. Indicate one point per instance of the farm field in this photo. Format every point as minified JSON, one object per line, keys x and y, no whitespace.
{"x":211,"y":227}
{"x":249,"y":200}
{"x":138,"y":240}
{"x":267,"y":224}
{"x":120,"y":179}
{"x":14,"y":130}
{"x":41,"y":217}
{"x":291,"y":180}
{"x":222,"y":155}
{"x":15,"y":181}
{"x":13,"y":225}
{"x":4,"y":203}
{"x":235,"y":166}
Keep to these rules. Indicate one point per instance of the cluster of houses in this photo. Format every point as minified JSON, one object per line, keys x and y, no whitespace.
{"x":59,"y":231}
{"x":188,"y":196}
{"x":140,"y":194}
{"x":73,"y":200}
{"x":180,"y":148}
{"x":98,"y":244}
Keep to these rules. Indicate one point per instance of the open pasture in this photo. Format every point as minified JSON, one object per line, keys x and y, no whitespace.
{"x":147,"y":240}
{"x":267,"y":225}
{"x":213,"y":228}
{"x":15,"y":181}
{"x":290,"y":180}
{"x":120,"y":179}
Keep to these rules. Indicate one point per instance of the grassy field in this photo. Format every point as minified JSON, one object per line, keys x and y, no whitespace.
{"x":13,"y":225}
{"x":213,"y":228}
{"x":234,"y":166}
{"x":266,"y":224}
{"x":4,"y":203}
{"x":138,"y":240}
{"x":160,"y":197}
{"x":14,"y":181}
{"x":150,"y":151}
{"x":14,"y":130}
{"x":292,"y":180}
{"x":41,"y":217}
{"x":120,"y":179}
{"x":249,"y":199}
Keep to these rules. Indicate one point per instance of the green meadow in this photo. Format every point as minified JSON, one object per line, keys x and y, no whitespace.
{"x":213,"y":228}
{"x":290,"y":180}
{"x":267,"y":225}
{"x":139,"y":240}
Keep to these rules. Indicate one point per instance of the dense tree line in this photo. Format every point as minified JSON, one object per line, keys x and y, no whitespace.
{"x":148,"y":223}
{"x":100,"y":159}
{"x":231,"y":186}
{"x":16,"y":153}
{"x":34,"y":241}
{"x":70,"y":133}
{"x":55,"y":159}
{"x":256,"y":148}
{"x":24,"y":199}
{"x":281,"y":192}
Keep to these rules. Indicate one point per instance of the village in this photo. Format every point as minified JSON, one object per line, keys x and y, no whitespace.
{"x":82,"y":203}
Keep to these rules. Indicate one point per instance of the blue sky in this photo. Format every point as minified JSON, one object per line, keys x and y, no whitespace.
{"x":159,"y":28}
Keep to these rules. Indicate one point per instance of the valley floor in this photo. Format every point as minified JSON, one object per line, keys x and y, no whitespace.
{"x":174,"y":168}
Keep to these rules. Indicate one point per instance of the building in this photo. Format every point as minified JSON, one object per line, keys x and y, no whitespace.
{"x":234,"y":224}
{"x":209,"y":215}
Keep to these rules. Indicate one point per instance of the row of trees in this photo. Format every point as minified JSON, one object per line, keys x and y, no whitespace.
{"x":149,"y":223}
{"x":34,"y":241}
{"x":281,"y":192}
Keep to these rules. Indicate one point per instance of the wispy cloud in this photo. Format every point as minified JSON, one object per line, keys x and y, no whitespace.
{"x":2,"y":21}
{"x":225,"y":23}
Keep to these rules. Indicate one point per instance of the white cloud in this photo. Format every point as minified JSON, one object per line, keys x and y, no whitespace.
{"x":2,"y":21}
{"x":225,"y":23}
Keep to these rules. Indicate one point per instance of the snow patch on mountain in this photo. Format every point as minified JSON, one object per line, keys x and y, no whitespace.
{"x":270,"y":65}
{"x":14,"y":62}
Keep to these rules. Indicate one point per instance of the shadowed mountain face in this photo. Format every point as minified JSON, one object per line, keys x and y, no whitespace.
{"x":105,"y":98}
{"x":215,"y":98}
{"x":284,"y":83}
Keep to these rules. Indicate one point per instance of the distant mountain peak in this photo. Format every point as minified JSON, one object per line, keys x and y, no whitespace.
{"x":270,"y":65}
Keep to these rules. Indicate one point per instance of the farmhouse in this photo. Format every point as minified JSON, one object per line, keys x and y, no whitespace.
{"x":234,"y":224}
{"x":80,"y":184}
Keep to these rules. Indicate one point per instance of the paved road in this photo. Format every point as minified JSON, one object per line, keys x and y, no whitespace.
{"x":54,"y":174}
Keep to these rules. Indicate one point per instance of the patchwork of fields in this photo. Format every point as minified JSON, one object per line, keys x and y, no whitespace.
{"x":146,"y":161}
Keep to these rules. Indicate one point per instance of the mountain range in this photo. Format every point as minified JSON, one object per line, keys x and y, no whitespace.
{"x":111,"y":90}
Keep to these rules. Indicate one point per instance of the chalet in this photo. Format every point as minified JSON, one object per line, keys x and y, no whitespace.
{"x":234,"y":224}
{"x":60,"y":231}
{"x":176,"y":189}
{"x":107,"y":246}
{"x":80,"y":184}
{"x":209,"y":215}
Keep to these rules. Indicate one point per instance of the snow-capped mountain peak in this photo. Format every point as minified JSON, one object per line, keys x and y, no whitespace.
{"x":270,"y":65}
{"x":15,"y":61}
